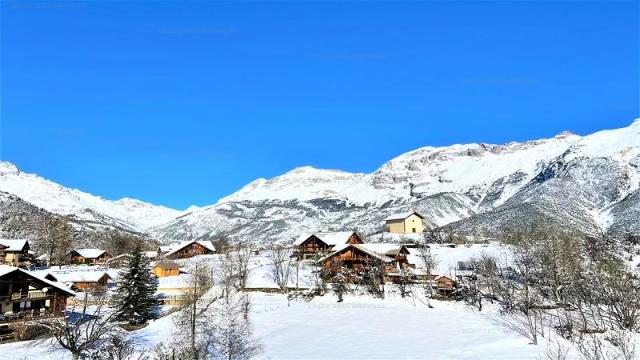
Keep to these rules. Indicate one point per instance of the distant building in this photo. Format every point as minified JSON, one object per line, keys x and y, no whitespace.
{"x":87,"y":256}
{"x":164,"y":268}
{"x":405,"y":223}
{"x":187,"y":249}
{"x":322,"y":243}
{"x":85,"y":281}
{"x":14,"y":252}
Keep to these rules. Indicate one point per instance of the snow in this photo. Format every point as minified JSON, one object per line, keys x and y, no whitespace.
{"x":70,"y":277}
{"x":14,"y":244}
{"x":6,"y":269}
{"x":173,"y":248}
{"x":57,"y":199}
{"x":400,"y":216}
{"x":329,"y":238}
{"x":90,"y":253}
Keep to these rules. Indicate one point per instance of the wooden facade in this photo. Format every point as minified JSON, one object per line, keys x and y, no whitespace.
{"x":76,"y":257}
{"x":15,"y":253}
{"x":25,"y":297}
{"x":97,"y":283}
{"x":165,"y":269}
{"x":190,"y":250}
{"x":314,"y":246}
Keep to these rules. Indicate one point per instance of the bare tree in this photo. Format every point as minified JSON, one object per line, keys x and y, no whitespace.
{"x":55,"y":238}
{"x":78,"y":332}
{"x":404,"y":281}
{"x":242,"y":257}
{"x":429,"y":262}
{"x":281,"y":259}
{"x":117,"y":346}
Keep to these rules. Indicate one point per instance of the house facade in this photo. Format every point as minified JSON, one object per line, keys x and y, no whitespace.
{"x":87,"y":257}
{"x":24,"y":296}
{"x":186,"y":249}
{"x":165,"y":269}
{"x":93,"y":281}
{"x":405,"y":223}
{"x":15,"y":252}
{"x":319,"y":244}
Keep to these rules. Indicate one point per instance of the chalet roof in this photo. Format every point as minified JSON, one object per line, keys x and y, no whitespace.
{"x":388,"y":249}
{"x":402,"y":216}
{"x":15,"y":244}
{"x":90,"y":253}
{"x":68,"y":277}
{"x":340,"y":248}
{"x":329,"y":238}
{"x":6,"y":269}
{"x":173,"y":248}
{"x":116,"y":258}
{"x":168,"y":265}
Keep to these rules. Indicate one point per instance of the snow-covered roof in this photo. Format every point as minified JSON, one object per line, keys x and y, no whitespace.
{"x":164,"y":264}
{"x":6,"y":269}
{"x":360,"y":247}
{"x":173,"y":248}
{"x":389,"y":249}
{"x":90,"y":253}
{"x":14,"y":244}
{"x":402,"y":216}
{"x":329,"y":238}
{"x":68,"y":277}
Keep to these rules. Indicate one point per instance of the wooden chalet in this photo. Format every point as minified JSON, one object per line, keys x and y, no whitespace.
{"x":166,"y":268}
{"x":187,"y":249}
{"x":15,"y":252}
{"x":118,"y":261}
{"x":444,"y":285}
{"x":24,"y":296}
{"x":323,"y":243}
{"x":82,"y":281}
{"x":87,"y":257}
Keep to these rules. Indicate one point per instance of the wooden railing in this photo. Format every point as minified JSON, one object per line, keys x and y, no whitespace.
{"x":31,"y":295}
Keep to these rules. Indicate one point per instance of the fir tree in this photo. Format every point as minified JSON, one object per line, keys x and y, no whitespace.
{"x":135,"y":296}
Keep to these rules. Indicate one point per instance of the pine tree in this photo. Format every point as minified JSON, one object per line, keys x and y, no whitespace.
{"x":135,"y":296}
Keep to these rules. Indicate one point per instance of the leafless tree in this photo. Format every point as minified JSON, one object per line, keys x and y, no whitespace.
{"x":242,"y":257}
{"x":79,"y":332}
{"x":404,"y":281}
{"x":281,"y":260}
{"x":556,"y":350}
{"x":117,"y":346}
{"x":429,"y":262}
{"x":55,"y":238}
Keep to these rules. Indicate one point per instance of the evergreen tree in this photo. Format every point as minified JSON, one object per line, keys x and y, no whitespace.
{"x":135,"y":296}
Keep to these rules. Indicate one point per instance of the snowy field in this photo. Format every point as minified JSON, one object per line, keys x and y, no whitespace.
{"x":360,"y":327}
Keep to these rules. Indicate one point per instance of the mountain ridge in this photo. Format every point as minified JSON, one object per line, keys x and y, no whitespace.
{"x":590,"y":182}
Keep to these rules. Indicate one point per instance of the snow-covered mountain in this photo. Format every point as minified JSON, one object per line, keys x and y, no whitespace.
{"x":125,"y":214}
{"x":590,"y":183}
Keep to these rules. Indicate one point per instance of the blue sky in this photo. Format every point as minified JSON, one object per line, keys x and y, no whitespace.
{"x":180,"y":103}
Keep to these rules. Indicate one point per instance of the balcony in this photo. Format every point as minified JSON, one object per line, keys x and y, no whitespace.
{"x":31,"y":295}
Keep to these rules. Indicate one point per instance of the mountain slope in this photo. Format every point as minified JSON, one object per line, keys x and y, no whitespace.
{"x":125,"y":214}
{"x":589,"y":183}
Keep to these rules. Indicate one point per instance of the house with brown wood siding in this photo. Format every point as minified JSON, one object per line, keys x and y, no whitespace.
{"x":323,"y":243}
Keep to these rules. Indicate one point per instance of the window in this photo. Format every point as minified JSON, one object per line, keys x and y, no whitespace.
{"x":414,"y":229}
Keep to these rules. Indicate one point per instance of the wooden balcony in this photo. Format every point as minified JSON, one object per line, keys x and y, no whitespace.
{"x":27,"y":315}
{"x":31,"y":295}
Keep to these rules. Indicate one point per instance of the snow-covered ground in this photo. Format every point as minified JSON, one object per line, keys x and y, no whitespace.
{"x":360,"y":327}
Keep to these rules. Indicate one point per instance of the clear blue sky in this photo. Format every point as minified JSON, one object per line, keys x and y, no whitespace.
{"x":180,"y":103}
